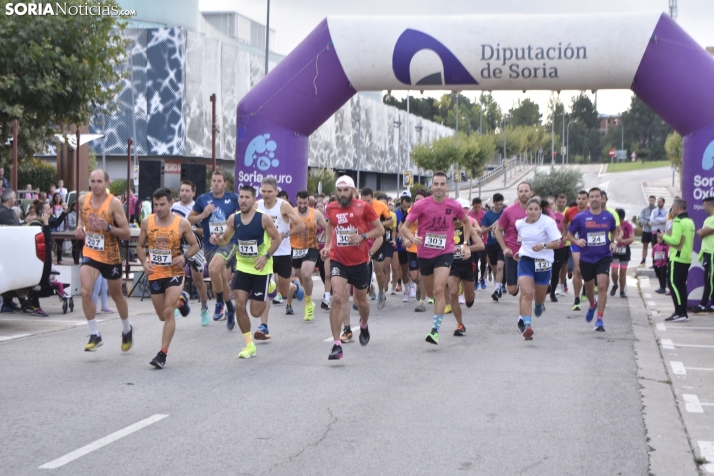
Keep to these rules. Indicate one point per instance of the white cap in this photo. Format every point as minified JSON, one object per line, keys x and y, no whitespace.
{"x":463,"y":202}
{"x":405,"y":193}
{"x":345,"y":181}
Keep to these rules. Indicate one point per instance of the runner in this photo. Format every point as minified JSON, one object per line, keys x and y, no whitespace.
{"x":197,"y":262}
{"x":570,"y":213}
{"x":511,"y":243}
{"x":350,"y":224}
{"x":561,"y":204}
{"x":593,"y":228}
{"x":165,"y":233}
{"x":560,"y":254}
{"x":257,"y":239}
{"x":413,"y":260}
{"x":481,"y":259}
{"x":391,"y":272}
{"x":306,"y":249}
{"x":644,"y":222}
{"x":382,"y":212}
{"x":621,"y":256}
{"x":539,"y":237}
{"x":212,"y":210}
{"x":463,"y":270}
{"x":101,"y":224}
{"x":323,"y":265}
{"x":405,"y":203}
{"x":288,"y":224}
{"x":494,"y":253}
{"x":436,"y":216}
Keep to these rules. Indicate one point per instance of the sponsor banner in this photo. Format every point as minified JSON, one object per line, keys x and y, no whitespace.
{"x":266,"y":149}
{"x":492,"y":52}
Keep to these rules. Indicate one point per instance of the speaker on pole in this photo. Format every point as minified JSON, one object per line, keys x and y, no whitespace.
{"x":196,"y":173}
{"x":151,"y":177}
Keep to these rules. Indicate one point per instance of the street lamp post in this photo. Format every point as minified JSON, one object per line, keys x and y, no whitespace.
{"x":562,"y":140}
{"x":506,"y":117}
{"x":359,"y":143}
{"x":622,"y":132}
{"x":567,"y":146}
{"x":453,"y":177}
{"x":267,"y":39}
{"x":418,"y":128}
{"x":398,"y":125}
{"x":552,"y":136}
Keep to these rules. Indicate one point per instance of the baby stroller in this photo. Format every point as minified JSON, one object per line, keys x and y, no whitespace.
{"x":47,"y":289}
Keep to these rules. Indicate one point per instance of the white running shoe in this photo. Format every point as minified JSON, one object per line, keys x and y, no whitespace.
{"x":412,"y":291}
{"x":406,"y":296}
{"x":462,"y":299}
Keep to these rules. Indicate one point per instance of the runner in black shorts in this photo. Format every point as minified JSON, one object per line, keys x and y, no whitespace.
{"x":507,"y":235}
{"x":494,"y":253}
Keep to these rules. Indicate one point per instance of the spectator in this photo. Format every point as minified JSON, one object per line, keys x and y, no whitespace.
{"x":57,"y":208}
{"x":706,"y":257}
{"x":311,"y":202}
{"x":43,"y":219}
{"x":28,"y":195}
{"x":4,"y":182}
{"x":7,"y":200}
{"x":53,"y":189}
{"x":131,"y":216}
{"x":62,"y":191}
{"x":43,"y":197}
{"x":658,"y":218}
{"x":681,"y":242}
{"x":77,"y":245}
{"x":100,"y":288}
{"x":660,"y":259}
{"x":644,"y":222}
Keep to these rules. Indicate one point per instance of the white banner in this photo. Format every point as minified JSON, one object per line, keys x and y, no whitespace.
{"x":492,"y":52}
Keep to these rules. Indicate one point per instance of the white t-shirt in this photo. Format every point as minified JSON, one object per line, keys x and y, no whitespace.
{"x":542,"y":231}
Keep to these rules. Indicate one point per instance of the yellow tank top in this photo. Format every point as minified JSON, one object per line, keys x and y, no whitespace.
{"x":99,"y":244}
{"x":164,"y":245}
{"x":308,"y":238}
{"x":413,"y":230}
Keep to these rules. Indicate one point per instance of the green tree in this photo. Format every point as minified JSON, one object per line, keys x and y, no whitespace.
{"x":477,"y":151}
{"x":526,"y":113}
{"x":437,"y":155}
{"x":55,"y":70}
{"x":673,"y":146}
{"x":328,"y":177}
{"x":645,"y":130}
{"x":565,"y":180}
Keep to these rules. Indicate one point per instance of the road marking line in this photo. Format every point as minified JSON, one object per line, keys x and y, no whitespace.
{"x":708,"y":404}
{"x":667,"y":344}
{"x":647,"y":295}
{"x":706,"y":448}
{"x":13,"y":337}
{"x":700,"y":368}
{"x":600,"y":172}
{"x":678,"y":368}
{"x":651,"y":304}
{"x":686,"y":328}
{"x":695,"y":346}
{"x":661,"y":326}
{"x":102,"y":442}
{"x":691,"y":403}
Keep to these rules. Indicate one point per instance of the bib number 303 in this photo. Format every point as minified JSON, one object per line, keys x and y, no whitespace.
{"x":435,"y":241}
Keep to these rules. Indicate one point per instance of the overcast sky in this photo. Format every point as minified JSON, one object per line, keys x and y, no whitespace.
{"x":295,"y":19}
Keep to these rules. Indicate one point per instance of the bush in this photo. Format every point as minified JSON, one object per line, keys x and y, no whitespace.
{"x":557,"y":181}
{"x":326,"y":176}
{"x":37,"y":173}
{"x":416,"y":187}
{"x":118,"y":187}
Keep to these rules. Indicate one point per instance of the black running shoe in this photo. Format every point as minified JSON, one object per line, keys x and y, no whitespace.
{"x":324,"y":306}
{"x":613,"y":290}
{"x":698,"y":309}
{"x":127,"y":340}
{"x":336,"y":353}
{"x":363,"y":335}
{"x":494,"y":296}
{"x":460,"y":330}
{"x":521,"y":325}
{"x":289,"y":310}
{"x":94,"y":343}
{"x":553,"y":298}
{"x":159,"y":361}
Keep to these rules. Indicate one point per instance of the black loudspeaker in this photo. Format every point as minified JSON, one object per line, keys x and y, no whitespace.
{"x":196,"y":173}
{"x":151,"y":177}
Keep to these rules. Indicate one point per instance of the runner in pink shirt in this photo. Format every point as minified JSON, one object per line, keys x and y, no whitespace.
{"x":435,"y":243}
{"x":477,"y":214}
{"x":511,"y":244}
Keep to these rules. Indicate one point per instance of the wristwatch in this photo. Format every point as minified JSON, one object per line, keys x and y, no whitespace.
{"x":267,"y":255}
{"x":370,"y":253}
{"x":109,"y":227}
{"x":545,"y":245}
{"x":286,"y":234}
{"x":364,"y":236}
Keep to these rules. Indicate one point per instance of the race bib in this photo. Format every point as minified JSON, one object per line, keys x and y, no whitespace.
{"x":217,"y":227}
{"x":659,"y":256}
{"x":437,"y":242}
{"x":160,"y":257}
{"x":388,"y":235}
{"x":542,"y":265}
{"x":343,"y":237}
{"x":458,"y":254}
{"x":596,"y":239}
{"x":621,"y":250}
{"x":94,"y":241}
{"x":298,"y":254}
{"x":248,"y":248}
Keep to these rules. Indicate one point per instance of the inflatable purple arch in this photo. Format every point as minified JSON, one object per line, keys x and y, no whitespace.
{"x":648,"y":53}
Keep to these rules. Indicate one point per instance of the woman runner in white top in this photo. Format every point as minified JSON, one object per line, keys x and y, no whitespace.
{"x":539,"y":236}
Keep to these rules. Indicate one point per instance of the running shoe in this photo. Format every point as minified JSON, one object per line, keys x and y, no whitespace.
{"x":354,"y":307}
{"x":565,"y":288}
{"x":106,"y":310}
{"x":177,"y":314}
{"x":363,"y":335}
{"x":483,"y":284}
{"x":335,"y":353}
{"x":38,"y":311}
{"x":309,"y":312}
{"x":394,"y":290}
{"x":553,"y":298}
{"x":300,"y":293}
{"x":94,"y":343}
{"x":325,"y":306}
{"x":539,"y":308}
{"x":382,"y":300}
{"x":373,"y":296}
{"x":271,"y":287}
{"x":184,"y":309}
{"x":278,"y":299}
{"x":7,"y":309}
{"x":661,"y":291}
{"x":677,"y":318}
{"x":521,"y":324}
{"x":405,"y":298}
{"x":599,"y":326}
{"x":289,"y":310}
{"x":205,"y":318}
{"x":447,"y":309}
{"x":591,"y":313}
{"x":494,"y":296}
{"x":127,"y":340}
{"x":262,"y":333}
{"x":412,"y":291}
{"x":460,"y":330}
{"x":623,"y":294}
{"x":431,"y":300}
{"x":346,"y":336}
{"x":462,"y":299}
{"x":230,"y":320}
{"x":576,"y":305}
{"x":218,"y":314}
{"x":613,"y":290}
{"x":248,"y":351}
{"x":642,"y":263}
{"x":500,"y":291}
{"x":433,"y":337}
{"x":159,"y":361}
{"x":399,"y":288}
{"x":420,"y":307}
{"x":528,"y":333}
{"x":698,"y":309}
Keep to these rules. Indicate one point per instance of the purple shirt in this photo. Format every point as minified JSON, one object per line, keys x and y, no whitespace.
{"x":595,"y":230}
{"x":435,"y":225}
{"x":507,"y":223}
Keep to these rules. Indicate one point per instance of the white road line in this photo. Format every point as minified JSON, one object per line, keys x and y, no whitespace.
{"x":708,"y":404}
{"x":686,"y":328}
{"x":678,"y":368}
{"x":4,"y":338}
{"x":647,"y":295}
{"x":706,"y":448}
{"x":102,"y":442}
{"x":667,"y":344}
{"x":661,"y":326}
{"x":691,"y":403}
{"x":695,"y":346}
{"x":600,"y":172}
{"x":700,"y":368}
